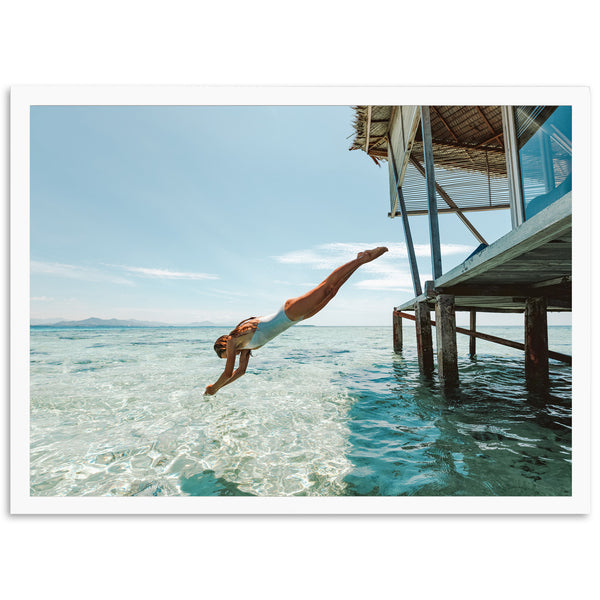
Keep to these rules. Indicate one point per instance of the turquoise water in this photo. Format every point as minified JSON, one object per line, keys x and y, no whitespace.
{"x":321,"y":411}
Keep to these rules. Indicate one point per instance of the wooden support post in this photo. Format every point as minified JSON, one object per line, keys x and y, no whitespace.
{"x":434,"y":227}
{"x":446,"y":339}
{"x":424,"y":339}
{"x":473,"y":339}
{"x":536,"y":340}
{"x":397,"y":332}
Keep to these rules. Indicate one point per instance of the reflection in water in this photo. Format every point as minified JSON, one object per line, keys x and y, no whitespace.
{"x":206,"y":484}
{"x":490,"y":435}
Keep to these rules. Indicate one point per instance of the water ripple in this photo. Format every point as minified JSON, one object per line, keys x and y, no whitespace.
{"x":324,"y":411}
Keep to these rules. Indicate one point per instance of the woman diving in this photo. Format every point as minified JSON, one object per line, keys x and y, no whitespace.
{"x":255,"y":332}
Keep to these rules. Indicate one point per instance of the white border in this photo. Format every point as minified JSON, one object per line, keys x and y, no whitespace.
{"x":23,"y":97}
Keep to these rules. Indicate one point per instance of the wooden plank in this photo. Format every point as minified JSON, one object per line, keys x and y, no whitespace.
{"x":482,"y":304}
{"x":447,"y":357}
{"x":510,"y":290}
{"x":492,"y":131}
{"x":434,"y":226}
{"x":498,"y":309}
{"x":562,"y":281}
{"x":448,"y":211}
{"x":410,"y":305}
{"x":493,"y":150}
{"x":536,"y":231}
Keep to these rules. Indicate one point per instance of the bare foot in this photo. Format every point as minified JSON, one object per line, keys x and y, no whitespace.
{"x":369,"y":255}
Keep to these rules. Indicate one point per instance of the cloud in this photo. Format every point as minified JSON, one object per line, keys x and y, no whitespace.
{"x":42,"y":299}
{"x":386,"y":284}
{"x":75,"y":272}
{"x":384,"y":272}
{"x":331,"y":256}
{"x":166,"y":274}
{"x":227,"y":293}
{"x":390,"y":278}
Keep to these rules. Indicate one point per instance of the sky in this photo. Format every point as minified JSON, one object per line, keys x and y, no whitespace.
{"x":183,"y":214}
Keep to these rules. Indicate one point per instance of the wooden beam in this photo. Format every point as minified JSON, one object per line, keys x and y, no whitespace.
{"x":376,"y":153}
{"x":445,"y":211}
{"x":410,"y":305}
{"x":448,"y":200}
{"x":500,"y":310}
{"x":492,"y":338}
{"x":437,"y":112}
{"x":492,"y":130}
{"x":468,"y":147}
{"x":439,"y":116}
{"x":368,"y":135}
{"x":485,"y":142}
{"x":566,"y":280}
{"x":507,"y":290}
{"x":378,"y":140}
{"x":434,"y":227}
{"x":410,"y":248}
{"x":480,"y":145}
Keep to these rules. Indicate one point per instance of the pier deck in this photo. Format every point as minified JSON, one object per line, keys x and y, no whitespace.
{"x":531,"y":261}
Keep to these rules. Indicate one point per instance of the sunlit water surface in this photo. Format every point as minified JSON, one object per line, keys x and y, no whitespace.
{"x":321,"y":411}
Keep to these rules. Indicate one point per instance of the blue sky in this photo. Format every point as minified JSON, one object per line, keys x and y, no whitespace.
{"x":194,"y":213}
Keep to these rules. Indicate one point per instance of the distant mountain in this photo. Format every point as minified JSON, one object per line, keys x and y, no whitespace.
{"x":40,"y":322}
{"x":95,"y":322}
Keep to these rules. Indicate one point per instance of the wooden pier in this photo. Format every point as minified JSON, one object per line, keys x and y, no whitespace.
{"x":473,"y":151}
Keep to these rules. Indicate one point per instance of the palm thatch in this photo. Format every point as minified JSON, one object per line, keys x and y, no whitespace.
{"x":468,"y":154}
{"x":464,"y":137}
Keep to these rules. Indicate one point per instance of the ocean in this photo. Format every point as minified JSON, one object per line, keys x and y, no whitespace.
{"x":321,"y":411}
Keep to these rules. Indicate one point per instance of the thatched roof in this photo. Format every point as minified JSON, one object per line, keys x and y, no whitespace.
{"x":379,"y":122}
{"x":467,"y":137}
{"x":468,"y":152}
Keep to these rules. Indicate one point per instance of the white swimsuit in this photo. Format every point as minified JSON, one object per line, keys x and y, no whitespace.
{"x":269,"y":327}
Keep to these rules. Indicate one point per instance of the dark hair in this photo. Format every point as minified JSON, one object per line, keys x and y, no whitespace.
{"x":221,"y":343}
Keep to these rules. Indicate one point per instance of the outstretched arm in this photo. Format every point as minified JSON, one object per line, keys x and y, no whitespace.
{"x":244,"y":359}
{"x":228,"y":375}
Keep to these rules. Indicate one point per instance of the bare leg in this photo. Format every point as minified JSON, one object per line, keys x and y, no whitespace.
{"x":312,"y":302}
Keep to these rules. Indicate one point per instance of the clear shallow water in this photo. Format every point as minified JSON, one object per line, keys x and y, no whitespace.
{"x":320,"y":411}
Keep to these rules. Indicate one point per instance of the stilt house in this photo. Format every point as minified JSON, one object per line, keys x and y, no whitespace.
{"x":459,"y":159}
